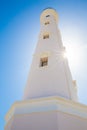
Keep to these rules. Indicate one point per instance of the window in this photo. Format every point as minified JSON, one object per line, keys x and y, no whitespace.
{"x":43,"y":61}
{"x":45,"y":36}
{"x":47,"y":15}
{"x":47,"y":22}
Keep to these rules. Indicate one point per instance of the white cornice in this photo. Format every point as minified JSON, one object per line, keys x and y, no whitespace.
{"x":47,"y":104}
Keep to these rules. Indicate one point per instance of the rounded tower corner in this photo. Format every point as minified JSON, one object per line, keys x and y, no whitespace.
{"x":48,"y":12}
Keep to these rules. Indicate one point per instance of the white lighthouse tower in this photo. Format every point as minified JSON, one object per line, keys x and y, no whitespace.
{"x":50,"y":96}
{"x":49,"y":74}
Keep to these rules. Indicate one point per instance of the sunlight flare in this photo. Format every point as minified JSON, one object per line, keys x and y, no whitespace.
{"x":73,"y":53}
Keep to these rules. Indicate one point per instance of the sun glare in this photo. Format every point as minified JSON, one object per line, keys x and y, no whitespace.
{"x":74,"y":48}
{"x":73,"y":54}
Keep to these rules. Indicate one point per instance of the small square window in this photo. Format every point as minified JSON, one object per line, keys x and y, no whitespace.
{"x":47,"y":15}
{"x":47,"y":22}
{"x":45,"y":36}
{"x":43,"y":61}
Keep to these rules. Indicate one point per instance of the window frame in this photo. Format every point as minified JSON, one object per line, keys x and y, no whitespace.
{"x":47,"y":22}
{"x":44,"y":62}
{"x":47,"y":16}
{"x":46,"y":36}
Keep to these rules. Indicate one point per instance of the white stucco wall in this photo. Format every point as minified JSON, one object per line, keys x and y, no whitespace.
{"x":53,"y":113}
{"x":51,"y":120}
{"x":49,"y":94}
{"x":54,"y":79}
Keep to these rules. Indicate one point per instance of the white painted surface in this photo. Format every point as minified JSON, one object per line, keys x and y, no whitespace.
{"x":52,"y":120}
{"x":45,"y":105}
{"x":54,"y":79}
{"x":50,"y":92}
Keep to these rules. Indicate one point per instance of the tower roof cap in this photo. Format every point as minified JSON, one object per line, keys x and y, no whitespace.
{"x":48,"y":11}
{"x":49,"y":8}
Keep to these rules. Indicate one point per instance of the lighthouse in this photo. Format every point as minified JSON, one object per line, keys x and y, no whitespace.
{"x":50,"y":100}
{"x":49,"y":74}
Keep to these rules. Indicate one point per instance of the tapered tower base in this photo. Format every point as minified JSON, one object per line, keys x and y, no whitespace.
{"x":51,"y":113}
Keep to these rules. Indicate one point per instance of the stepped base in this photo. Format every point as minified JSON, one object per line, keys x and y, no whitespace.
{"x":52,"y":113}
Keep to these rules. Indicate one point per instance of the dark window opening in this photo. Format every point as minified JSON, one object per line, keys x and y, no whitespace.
{"x":47,"y":15}
{"x":45,"y":36}
{"x":47,"y":22}
{"x":43,"y":61}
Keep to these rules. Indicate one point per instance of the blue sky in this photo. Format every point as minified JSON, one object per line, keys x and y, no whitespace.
{"x":19,"y":29}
